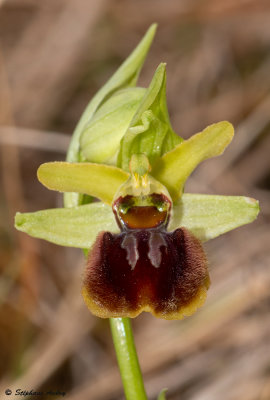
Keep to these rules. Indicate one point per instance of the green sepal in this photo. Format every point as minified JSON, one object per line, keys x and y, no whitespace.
{"x":150,"y":130}
{"x":162,"y":394}
{"x":101,"y":137}
{"x":209,"y":216}
{"x":97,"y":180}
{"x":125,"y":76}
{"x":73,"y":227}
{"x":174,"y":167}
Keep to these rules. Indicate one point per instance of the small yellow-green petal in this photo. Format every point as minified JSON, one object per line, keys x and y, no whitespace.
{"x":74,"y":227}
{"x":208,"y":216}
{"x":174,"y":167}
{"x":97,"y":180}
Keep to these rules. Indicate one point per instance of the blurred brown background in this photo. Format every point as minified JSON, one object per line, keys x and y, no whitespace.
{"x":54,"y":55}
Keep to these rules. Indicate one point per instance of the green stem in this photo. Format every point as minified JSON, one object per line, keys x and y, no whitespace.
{"x":127,"y":359}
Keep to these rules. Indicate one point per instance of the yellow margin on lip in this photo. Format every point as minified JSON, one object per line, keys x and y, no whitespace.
{"x":185,"y":311}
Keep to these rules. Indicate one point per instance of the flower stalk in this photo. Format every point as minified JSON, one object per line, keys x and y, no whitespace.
{"x":127,"y":359}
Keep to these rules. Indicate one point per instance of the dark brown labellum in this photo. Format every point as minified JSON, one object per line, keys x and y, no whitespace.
{"x":146,"y":270}
{"x":144,"y":267}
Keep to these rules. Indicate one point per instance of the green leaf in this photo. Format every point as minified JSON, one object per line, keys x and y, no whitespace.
{"x":101,"y":137}
{"x":97,"y":180}
{"x":209,"y":216}
{"x":175,"y":166}
{"x":125,"y":76}
{"x":150,"y":131}
{"x":161,"y":395}
{"x":75,"y":227}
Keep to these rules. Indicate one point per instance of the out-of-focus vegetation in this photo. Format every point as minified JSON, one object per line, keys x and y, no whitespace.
{"x":54,"y":56}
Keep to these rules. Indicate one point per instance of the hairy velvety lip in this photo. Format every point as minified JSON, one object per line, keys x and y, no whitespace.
{"x":170,"y":289}
{"x":144,"y":267}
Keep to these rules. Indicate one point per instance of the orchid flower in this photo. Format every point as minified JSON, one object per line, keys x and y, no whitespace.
{"x":145,"y":234}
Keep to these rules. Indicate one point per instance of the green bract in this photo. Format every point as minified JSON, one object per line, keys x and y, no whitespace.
{"x":126,"y":76}
{"x":100,"y":138}
{"x":122,"y":120}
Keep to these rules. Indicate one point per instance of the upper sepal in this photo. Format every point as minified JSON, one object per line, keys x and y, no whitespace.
{"x":150,"y":131}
